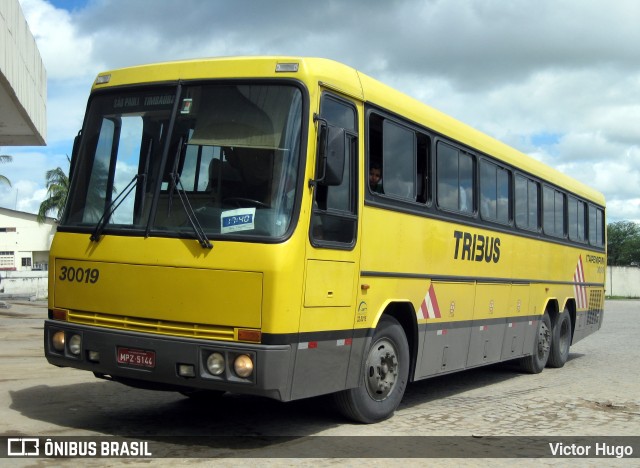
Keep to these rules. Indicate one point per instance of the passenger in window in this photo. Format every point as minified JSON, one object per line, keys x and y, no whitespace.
{"x":375,"y":178}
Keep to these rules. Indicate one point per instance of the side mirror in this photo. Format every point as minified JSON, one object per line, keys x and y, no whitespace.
{"x":331,"y":154}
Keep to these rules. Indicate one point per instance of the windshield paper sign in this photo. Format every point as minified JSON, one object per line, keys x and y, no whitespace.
{"x":241,"y":219}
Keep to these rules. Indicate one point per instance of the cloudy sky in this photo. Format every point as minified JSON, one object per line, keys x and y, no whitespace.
{"x":557,"y":79}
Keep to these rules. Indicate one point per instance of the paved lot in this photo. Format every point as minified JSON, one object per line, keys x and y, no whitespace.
{"x":597,"y":393}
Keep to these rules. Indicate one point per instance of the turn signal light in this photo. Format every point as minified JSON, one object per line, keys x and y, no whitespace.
{"x":59,"y":314}
{"x":255,"y":336}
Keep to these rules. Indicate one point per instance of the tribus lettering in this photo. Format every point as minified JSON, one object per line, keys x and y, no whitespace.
{"x":476,"y":247}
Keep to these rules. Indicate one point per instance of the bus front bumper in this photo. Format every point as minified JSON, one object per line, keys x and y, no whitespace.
{"x":168,"y":363}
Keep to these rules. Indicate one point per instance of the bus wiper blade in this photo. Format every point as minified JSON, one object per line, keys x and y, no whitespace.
{"x":113,"y":206}
{"x":176,"y":184}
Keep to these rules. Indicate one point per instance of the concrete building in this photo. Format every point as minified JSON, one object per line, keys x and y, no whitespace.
{"x":24,"y":244}
{"x":24,"y":254}
{"x":23,"y":81}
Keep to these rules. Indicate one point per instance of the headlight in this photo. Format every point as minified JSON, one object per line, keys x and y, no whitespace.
{"x":243,"y":365}
{"x":57,"y":341}
{"x":215,"y":363}
{"x":75,"y":345}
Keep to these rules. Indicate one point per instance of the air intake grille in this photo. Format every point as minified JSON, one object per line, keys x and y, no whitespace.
{"x":596,"y":305}
{"x":162,"y":327}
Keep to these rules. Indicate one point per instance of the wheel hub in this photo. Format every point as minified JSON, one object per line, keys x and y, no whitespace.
{"x":544,"y":341}
{"x":382,"y":370}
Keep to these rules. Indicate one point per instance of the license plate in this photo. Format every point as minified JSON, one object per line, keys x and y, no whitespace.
{"x":136,"y":357}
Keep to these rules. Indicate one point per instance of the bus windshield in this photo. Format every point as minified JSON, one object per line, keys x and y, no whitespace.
{"x":222,"y":158}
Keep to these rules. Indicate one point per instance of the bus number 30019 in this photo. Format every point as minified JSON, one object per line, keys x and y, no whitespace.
{"x":79,"y":275}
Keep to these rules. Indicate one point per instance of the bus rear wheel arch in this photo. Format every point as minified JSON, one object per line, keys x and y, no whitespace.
{"x":385,"y":375}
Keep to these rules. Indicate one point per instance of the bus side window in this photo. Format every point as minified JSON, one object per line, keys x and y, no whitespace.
{"x":576,"y":219}
{"x":494,"y":192}
{"x":454,"y":179}
{"x":398,"y":156}
{"x":596,"y":226}
{"x":334,"y":218}
{"x":553,"y":207}
{"x":527,"y":194}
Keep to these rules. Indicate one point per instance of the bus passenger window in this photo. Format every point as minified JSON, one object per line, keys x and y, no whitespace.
{"x":553,"y":206}
{"x":398,"y":156}
{"x":596,"y":226}
{"x":527,"y":193}
{"x":398,"y":160}
{"x":454,"y":179}
{"x":576,"y":219}
{"x":494,"y":192}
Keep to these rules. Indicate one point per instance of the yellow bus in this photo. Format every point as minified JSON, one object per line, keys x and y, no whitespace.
{"x":290,"y":227}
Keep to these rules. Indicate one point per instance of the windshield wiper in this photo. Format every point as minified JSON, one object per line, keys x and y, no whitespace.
{"x":176,"y":185}
{"x":113,"y":206}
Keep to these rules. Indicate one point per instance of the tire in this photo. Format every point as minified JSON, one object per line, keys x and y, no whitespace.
{"x":560,"y":340}
{"x":384,"y":376}
{"x":537,"y":360}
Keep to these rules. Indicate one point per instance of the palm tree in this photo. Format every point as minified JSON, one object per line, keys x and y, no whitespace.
{"x":5,"y":158}
{"x":57,"y":183}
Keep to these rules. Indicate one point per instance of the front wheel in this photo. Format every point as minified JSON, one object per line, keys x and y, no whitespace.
{"x":384,"y":379}
{"x":535,"y":362}
{"x":560,"y":340}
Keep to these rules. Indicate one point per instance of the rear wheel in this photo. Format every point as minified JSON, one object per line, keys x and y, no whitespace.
{"x":560,"y":340}
{"x":535,"y":362}
{"x":384,"y":377}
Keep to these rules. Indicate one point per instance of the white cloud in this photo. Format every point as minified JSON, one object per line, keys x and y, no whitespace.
{"x":559,"y":80}
{"x":35,"y":196}
{"x":65,"y":110}
{"x":66,"y":53}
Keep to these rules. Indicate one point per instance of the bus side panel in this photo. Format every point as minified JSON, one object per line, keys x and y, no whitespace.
{"x":326,"y":329}
{"x":514,"y":333}
{"x":321,"y":366}
{"x":446,"y":348}
{"x":446,"y":338}
{"x":485,"y":344}
{"x":487,"y":332}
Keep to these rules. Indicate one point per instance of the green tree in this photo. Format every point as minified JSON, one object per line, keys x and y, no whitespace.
{"x":57,"y":183}
{"x":5,"y":158}
{"x":623,"y":243}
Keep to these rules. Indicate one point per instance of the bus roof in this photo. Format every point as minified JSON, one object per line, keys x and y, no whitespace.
{"x":355,"y":84}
